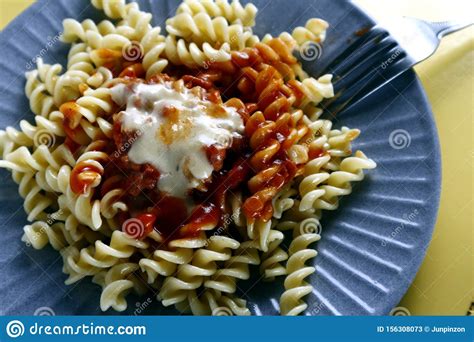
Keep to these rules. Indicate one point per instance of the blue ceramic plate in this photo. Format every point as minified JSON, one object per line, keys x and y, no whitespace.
{"x":372,"y":246}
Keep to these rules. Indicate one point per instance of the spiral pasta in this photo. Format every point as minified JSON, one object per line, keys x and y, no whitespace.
{"x":309,"y":189}
{"x":211,"y":302}
{"x":191,"y":55}
{"x":114,"y":9}
{"x":80,"y":60}
{"x":190,"y":276}
{"x":91,"y":260}
{"x":117,"y":282}
{"x":153,"y":47}
{"x":164,"y":263}
{"x":295,"y":287}
{"x":313,"y":31}
{"x":338,"y":182}
{"x":235,"y":268}
{"x":41,"y":102}
{"x":179,"y":162}
{"x":94,"y":104}
{"x":283,"y":201}
{"x":39,"y":234}
{"x":273,"y":258}
{"x":202,"y":28}
{"x":233,"y":12}
{"x":74,"y":31}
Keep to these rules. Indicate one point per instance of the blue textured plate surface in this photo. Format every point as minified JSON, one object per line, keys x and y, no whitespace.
{"x":372,"y":246}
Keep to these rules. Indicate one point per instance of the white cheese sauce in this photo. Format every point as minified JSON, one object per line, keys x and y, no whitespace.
{"x":174,"y":128}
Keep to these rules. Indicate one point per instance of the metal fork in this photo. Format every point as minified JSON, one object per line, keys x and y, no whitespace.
{"x":382,"y":53}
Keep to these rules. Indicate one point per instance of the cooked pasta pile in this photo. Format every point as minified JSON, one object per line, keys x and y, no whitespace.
{"x":254,"y":164}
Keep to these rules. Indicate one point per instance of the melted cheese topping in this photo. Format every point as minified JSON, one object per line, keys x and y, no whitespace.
{"x":174,"y":128}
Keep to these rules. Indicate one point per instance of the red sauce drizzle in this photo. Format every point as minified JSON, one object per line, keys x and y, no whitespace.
{"x":315,"y":153}
{"x":240,"y":78}
{"x":83,"y":176}
{"x":148,"y":221}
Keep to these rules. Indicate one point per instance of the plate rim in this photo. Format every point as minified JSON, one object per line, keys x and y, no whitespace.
{"x":395,"y":296}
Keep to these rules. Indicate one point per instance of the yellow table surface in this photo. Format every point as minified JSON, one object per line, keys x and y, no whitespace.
{"x":445,"y":283}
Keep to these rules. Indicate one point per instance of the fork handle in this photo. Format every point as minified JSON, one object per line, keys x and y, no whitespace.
{"x":443,"y":28}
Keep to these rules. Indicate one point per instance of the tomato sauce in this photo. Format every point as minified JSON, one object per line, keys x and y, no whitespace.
{"x":83,"y":175}
{"x":248,"y":85}
{"x":315,"y":153}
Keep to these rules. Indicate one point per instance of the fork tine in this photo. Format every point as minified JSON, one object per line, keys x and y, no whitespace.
{"x":353,"y":51}
{"x":378,"y":56}
{"x":366,"y":85}
{"x":372,"y":60}
{"x":361,"y":66}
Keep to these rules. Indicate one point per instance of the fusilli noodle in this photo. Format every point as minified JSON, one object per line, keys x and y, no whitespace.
{"x":179,"y":162}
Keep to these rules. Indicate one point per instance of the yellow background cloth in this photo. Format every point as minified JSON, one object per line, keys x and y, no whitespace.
{"x":445,"y":283}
